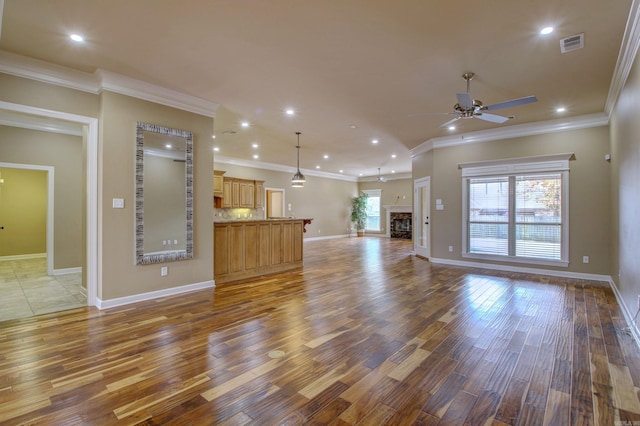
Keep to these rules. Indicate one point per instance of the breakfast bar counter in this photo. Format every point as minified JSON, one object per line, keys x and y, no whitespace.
{"x":247,"y":248}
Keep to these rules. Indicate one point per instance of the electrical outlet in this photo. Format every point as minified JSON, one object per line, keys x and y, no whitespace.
{"x":164,"y":271}
{"x":450,"y":249}
{"x":585,"y":259}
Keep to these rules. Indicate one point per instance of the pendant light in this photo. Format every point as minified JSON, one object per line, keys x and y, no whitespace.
{"x":298,"y":180}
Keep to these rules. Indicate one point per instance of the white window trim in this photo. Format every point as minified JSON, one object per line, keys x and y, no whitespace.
{"x":375,"y":193}
{"x":518,"y":166}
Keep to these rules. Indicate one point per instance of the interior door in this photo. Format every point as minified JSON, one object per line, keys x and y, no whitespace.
{"x":275,"y":203}
{"x":422,"y":220}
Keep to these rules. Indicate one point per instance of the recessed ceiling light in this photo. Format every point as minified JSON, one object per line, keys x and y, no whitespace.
{"x":255,"y":156}
{"x":341,"y":171}
{"x":360,"y":174}
{"x":393,"y":156}
{"x":76,"y":37}
{"x":452,"y":127}
{"x":216,"y":149}
{"x":561,"y":109}
{"x":374,"y":141}
{"x":546,"y":30}
{"x":254,"y":145}
{"x":168,"y":146}
{"x":325,"y":156}
{"x":317,"y":167}
{"x":244,"y":124}
{"x":393,"y":171}
{"x":353,"y":126}
{"x":213,"y":137}
{"x":290,"y":111}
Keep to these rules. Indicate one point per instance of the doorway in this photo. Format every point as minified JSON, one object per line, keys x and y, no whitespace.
{"x":422,"y":209}
{"x":89,"y":129}
{"x":275,"y":202}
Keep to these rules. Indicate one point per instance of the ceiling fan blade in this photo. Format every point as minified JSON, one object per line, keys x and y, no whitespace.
{"x":492,"y":118}
{"x":431,"y":113}
{"x":453,"y":120}
{"x":511,"y":103}
{"x":465,"y":100}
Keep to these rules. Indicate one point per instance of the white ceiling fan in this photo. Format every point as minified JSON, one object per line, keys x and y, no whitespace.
{"x":467,"y":107}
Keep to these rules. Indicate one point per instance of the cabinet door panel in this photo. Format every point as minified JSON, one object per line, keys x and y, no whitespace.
{"x":264,"y":255}
{"x":287,"y":242}
{"x":236,"y":248}
{"x":221,"y":250}
{"x":297,"y":241}
{"x":251,"y":246}
{"x":276,"y":243}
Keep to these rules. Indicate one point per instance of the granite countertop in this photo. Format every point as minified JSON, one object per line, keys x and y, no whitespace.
{"x":271,"y":219}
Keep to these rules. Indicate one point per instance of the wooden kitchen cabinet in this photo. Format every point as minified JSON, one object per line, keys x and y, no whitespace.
{"x":259,"y":194}
{"x":245,"y":249}
{"x":218,"y":181}
{"x":227,"y":197}
{"x":246,"y":191}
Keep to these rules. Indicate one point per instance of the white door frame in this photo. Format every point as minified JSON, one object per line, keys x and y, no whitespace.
{"x":91,"y":125}
{"x":50,"y":191}
{"x":421,"y":217}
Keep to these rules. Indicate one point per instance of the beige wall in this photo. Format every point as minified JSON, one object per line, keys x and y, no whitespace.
{"x":589,"y":213}
{"x":120,"y":276}
{"x":327,"y":201}
{"x":23,"y":212}
{"x":625,"y":192}
{"x":394,"y":192}
{"x":19,"y":90}
{"x":64,"y":153}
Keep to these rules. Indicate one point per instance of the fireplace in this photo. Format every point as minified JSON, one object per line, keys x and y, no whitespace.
{"x":400,"y":225}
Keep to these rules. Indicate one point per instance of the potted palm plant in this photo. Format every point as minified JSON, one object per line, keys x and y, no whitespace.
{"x":359,"y":212}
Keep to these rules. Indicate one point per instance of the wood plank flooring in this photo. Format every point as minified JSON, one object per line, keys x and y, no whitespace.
{"x":370,"y":334}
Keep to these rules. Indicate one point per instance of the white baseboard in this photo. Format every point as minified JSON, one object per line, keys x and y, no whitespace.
{"x":24,"y":256}
{"x":66,"y":271}
{"x":628,"y":316}
{"x":120,"y":301}
{"x":509,"y":268}
{"x":328,"y":237}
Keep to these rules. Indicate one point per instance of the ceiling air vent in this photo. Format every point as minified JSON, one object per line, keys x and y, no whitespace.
{"x":573,"y":42}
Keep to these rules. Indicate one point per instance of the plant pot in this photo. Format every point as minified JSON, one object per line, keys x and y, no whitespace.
{"x":360,"y":233}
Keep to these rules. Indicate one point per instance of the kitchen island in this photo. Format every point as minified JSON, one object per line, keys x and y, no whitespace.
{"x":247,"y":248}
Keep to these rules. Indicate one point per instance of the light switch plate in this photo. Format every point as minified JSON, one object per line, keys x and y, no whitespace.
{"x":118,"y":203}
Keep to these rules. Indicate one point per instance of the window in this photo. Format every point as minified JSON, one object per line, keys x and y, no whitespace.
{"x":373,"y":209}
{"x":516,"y":210}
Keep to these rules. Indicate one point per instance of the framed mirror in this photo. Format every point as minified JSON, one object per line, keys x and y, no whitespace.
{"x":164,"y":194}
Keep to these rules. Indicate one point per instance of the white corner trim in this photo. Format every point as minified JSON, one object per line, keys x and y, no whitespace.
{"x":519,"y":130}
{"x":223,"y":159}
{"x":120,"y":301}
{"x":35,"y":69}
{"x":124,"y":85}
{"x":23,"y":256}
{"x":508,"y":268}
{"x":625,"y":312}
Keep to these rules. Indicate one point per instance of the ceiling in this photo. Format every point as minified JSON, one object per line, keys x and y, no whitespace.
{"x":353,"y":71}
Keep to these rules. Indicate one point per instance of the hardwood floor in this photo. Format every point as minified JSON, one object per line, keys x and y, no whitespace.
{"x":368,"y":334}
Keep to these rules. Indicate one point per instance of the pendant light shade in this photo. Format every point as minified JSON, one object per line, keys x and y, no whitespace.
{"x":298,"y":180}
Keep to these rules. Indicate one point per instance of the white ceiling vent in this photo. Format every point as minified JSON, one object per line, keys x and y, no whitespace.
{"x":573,"y":42}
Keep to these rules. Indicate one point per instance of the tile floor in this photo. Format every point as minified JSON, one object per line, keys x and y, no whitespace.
{"x":26,"y":289}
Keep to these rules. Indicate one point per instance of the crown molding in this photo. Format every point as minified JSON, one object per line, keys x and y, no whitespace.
{"x":510,"y":132}
{"x":223,"y":159}
{"x":626,"y":57}
{"x":128,"y":86}
{"x":35,"y":69}
{"x":387,"y":178}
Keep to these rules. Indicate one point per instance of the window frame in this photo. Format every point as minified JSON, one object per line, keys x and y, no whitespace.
{"x":557,"y":163}
{"x":375,"y":193}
